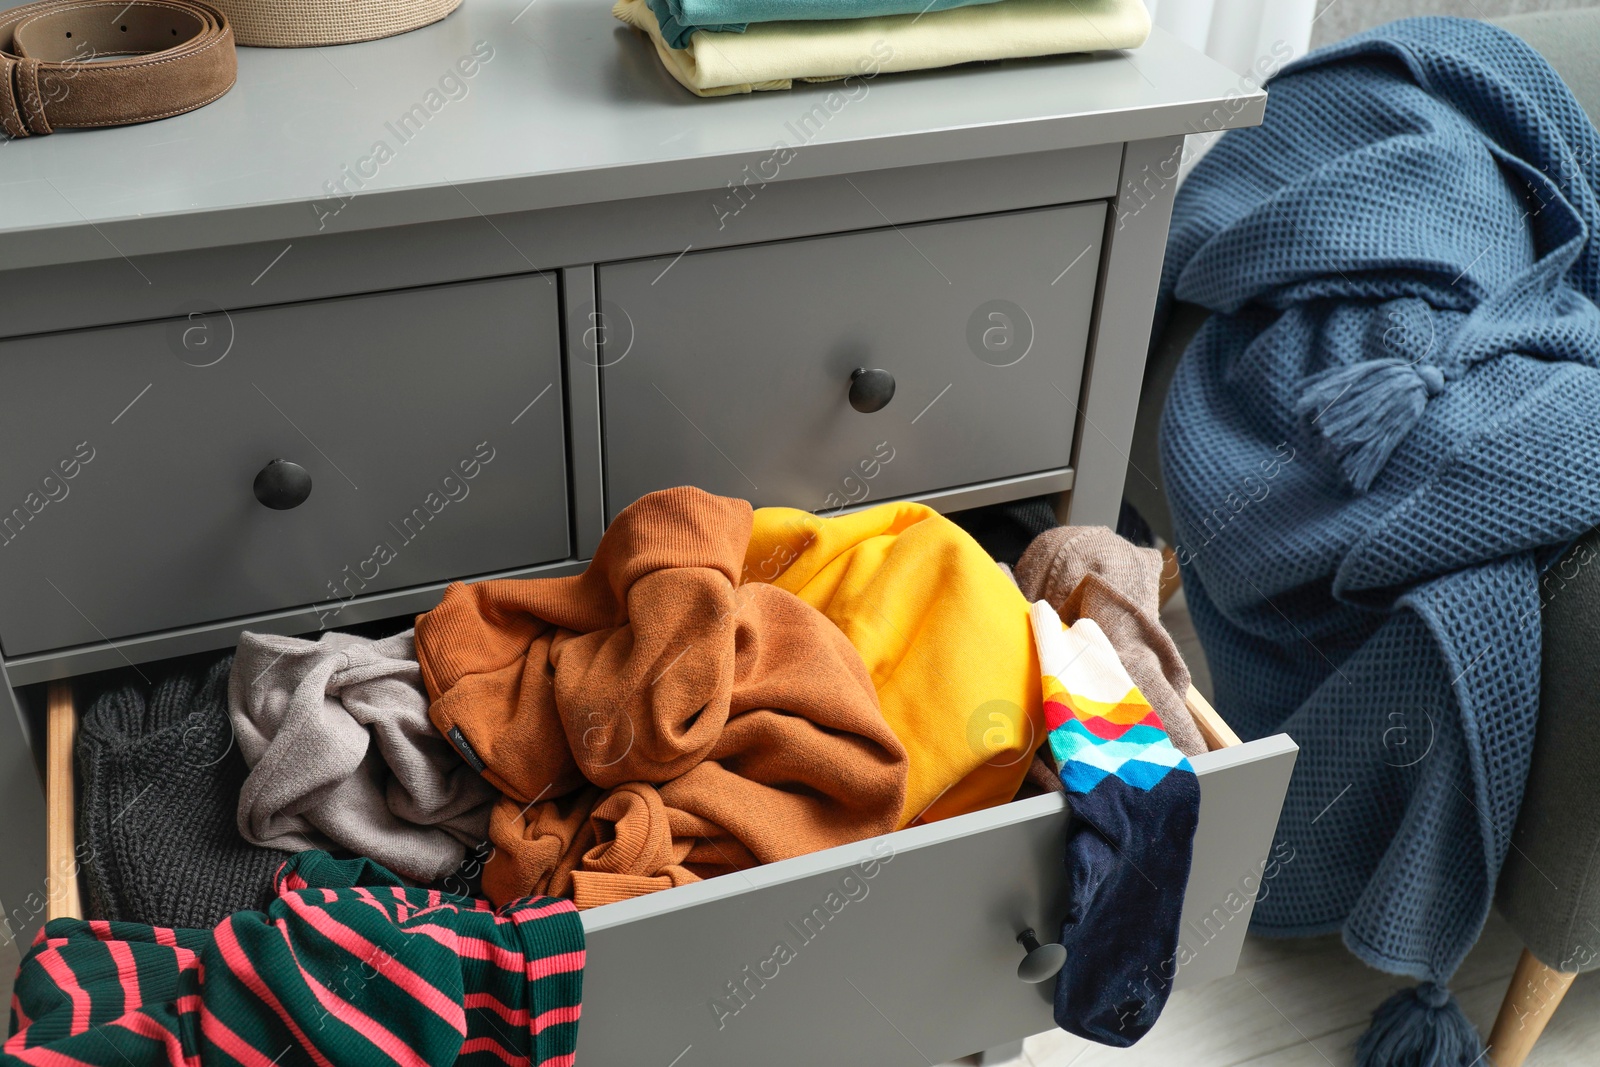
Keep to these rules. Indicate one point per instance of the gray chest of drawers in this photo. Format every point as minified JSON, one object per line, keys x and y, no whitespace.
{"x":487,"y":283}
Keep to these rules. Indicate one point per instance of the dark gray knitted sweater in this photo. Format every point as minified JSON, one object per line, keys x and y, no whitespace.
{"x":161,"y":776}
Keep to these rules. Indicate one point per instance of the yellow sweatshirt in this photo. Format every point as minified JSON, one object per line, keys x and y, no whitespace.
{"x":944,"y":634}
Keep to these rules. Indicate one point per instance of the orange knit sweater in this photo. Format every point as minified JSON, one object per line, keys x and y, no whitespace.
{"x":650,"y":722}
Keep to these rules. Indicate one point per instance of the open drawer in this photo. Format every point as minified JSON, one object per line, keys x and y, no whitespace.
{"x":897,"y":950}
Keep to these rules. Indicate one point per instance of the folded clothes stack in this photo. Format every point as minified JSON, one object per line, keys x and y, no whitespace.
{"x":722,"y":47}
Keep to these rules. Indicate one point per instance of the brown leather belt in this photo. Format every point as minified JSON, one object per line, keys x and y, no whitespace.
{"x":54,"y":69}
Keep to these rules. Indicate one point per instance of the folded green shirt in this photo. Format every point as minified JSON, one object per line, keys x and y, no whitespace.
{"x":680,"y":18}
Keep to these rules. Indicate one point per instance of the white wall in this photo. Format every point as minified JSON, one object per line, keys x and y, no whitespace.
{"x":1254,"y":38}
{"x":1237,"y":33}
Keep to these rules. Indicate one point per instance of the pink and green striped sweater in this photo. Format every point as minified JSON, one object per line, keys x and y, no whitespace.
{"x":348,"y":966}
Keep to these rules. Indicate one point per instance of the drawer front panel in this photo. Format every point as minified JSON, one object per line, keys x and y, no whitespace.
{"x":429,"y":422}
{"x":900,"y":951}
{"x":731,"y":369}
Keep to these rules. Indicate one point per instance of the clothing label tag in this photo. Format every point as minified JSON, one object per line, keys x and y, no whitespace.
{"x":458,"y":739}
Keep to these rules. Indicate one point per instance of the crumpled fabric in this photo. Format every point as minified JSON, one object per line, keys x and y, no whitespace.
{"x":943,"y":632}
{"x":345,"y":967}
{"x":651,"y":722}
{"x":160,"y":776}
{"x":1088,"y":572}
{"x":342,"y":755}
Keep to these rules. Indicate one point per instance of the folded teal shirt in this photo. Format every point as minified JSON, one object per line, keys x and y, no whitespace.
{"x":680,"y":18}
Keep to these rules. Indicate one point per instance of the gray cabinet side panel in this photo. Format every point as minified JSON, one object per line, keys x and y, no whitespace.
{"x":24,"y":881}
{"x":1136,"y":242}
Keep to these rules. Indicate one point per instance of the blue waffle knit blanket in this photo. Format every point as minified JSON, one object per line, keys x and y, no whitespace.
{"x":1383,"y":435}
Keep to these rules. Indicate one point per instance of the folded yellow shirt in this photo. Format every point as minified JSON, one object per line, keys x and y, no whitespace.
{"x":944,"y":634}
{"x":769,"y":55}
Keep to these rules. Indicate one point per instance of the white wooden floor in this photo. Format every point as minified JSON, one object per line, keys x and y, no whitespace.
{"x":1304,"y":1003}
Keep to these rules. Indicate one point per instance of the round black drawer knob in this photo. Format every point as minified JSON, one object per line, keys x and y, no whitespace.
{"x":870,"y":390}
{"x":282,"y":485}
{"x":1042,"y":961}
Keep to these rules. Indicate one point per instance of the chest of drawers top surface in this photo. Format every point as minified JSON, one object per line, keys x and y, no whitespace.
{"x":509,"y":106}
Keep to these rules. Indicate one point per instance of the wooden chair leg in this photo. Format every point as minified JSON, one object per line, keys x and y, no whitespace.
{"x":1534,"y":994}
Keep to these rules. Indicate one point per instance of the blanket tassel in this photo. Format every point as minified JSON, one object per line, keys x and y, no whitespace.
{"x":1363,"y":411}
{"x":1420,"y":1027}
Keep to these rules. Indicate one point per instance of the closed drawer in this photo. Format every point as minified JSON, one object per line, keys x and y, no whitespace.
{"x":429,"y":421}
{"x":897,"y":951}
{"x":731,"y":369}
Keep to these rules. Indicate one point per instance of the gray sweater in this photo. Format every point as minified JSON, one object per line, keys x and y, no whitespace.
{"x":342,"y":754}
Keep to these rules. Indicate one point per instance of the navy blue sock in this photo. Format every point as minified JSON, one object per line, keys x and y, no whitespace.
{"x":1135,"y":804}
